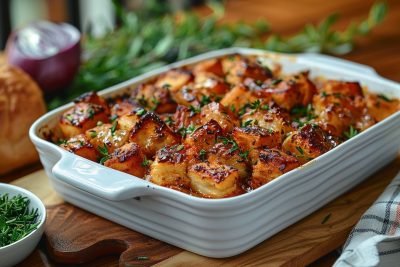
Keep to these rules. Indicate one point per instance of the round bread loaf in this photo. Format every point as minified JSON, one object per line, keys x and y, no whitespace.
{"x":21,"y":103}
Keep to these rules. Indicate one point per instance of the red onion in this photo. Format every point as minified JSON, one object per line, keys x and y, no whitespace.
{"x":49,"y":52}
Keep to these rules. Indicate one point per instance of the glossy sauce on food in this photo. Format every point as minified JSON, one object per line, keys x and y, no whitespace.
{"x":221,"y":127}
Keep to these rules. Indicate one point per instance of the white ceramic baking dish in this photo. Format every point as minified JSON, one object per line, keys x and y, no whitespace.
{"x":225,"y":227}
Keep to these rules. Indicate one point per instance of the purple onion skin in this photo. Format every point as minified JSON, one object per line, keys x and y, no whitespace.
{"x":53,"y":73}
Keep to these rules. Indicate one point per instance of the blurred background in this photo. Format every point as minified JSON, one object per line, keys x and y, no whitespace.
{"x":80,"y":13}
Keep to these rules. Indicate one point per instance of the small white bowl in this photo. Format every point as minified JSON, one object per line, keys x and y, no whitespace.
{"x":19,"y":250}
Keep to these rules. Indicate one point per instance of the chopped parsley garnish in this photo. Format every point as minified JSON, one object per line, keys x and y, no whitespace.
{"x":104,"y":152}
{"x":246,"y":123}
{"x":244,"y":155}
{"x":155,"y":102}
{"x":93,"y":133}
{"x":232,"y":108}
{"x":202,"y":155}
{"x":301,"y":151}
{"x":229,"y":141}
{"x":91,"y":113}
{"x":142,"y":258}
{"x":169,"y":121}
{"x":265,"y":107}
{"x":385,"y":98}
{"x":194,"y":109}
{"x":145,"y":162}
{"x":114,"y":127}
{"x":113,"y":117}
{"x":324,"y":94}
{"x":205,"y":100}
{"x":61,"y":141}
{"x":276,"y":81}
{"x":337,"y":95}
{"x":326,"y":218}
{"x":351,"y":133}
{"x":256,"y":104}
{"x":185,"y":131}
{"x":140,"y":112}
{"x":69,"y":117}
{"x":17,"y":220}
{"x":180,"y":147}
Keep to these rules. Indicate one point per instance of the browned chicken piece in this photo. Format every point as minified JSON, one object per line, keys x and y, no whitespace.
{"x":340,"y":105}
{"x":271,"y":164}
{"x":80,"y":146}
{"x":238,"y":68}
{"x":169,"y":167}
{"x":213,"y":66}
{"x":291,"y":91}
{"x":154,"y":98}
{"x":228,"y":154}
{"x":213,"y":180}
{"x":151,"y":134}
{"x":93,"y":98}
{"x":238,"y":97}
{"x":128,"y":158}
{"x":307,"y":143}
{"x":185,"y":116}
{"x":381,"y":106}
{"x":215,"y":111}
{"x":107,"y":136}
{"x":81,"y":117}
{"x":123,"y":107}
{"x":210,"y":85}
{"x":270,"y":117}
{"x":251,"y":138}
{"x":174,"y":80}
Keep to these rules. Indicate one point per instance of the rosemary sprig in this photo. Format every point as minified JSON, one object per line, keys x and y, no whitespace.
{"x":16,"y":219}
{"x":155,"y":37}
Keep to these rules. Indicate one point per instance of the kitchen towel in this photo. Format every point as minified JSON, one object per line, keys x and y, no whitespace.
{"x":375,"y":240}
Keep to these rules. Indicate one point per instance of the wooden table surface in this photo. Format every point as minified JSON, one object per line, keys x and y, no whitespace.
{"x":380,"y":49}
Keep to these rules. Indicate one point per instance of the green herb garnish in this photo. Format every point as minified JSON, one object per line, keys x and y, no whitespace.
{"x":385,"y":98}
{"x":140,"y":112}
{"x":351,"y":133}
{"x":205,"y":100}
{"x":104,"y":152}
{"x":92,"y":133}
{"x":326,"y":218}
{"x":145,"y":162}
{"x":16,"y":219}
{"x":169,"y":121}
{"x":114,"y":127}
{"x":202,"y":155}
{"x":229,"y":141}
{"x":301,"y":151}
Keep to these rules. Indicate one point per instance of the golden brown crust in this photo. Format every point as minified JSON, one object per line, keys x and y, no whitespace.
{"x":21,"y":103}
{"x":227,"y":125}
{"x":271,"y":164}
{"x":128,"y":158}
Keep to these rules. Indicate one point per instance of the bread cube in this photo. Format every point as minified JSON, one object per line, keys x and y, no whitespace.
{"x":80,"y":146}
{"x":169,"y":167}
{"x":81,"y":117}
{"x":128,"y":158}
{"x":212,"y":180}
{"x":215,"y":111}
{"x":271,"y":164}
{"x":151,"y":134}
{"x":107,"y":136}
{"x":174,"y":80}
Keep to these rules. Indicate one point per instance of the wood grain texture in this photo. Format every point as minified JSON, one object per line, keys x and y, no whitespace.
{"x":300,"y":244}
{"x":74,"y":236}
{"x":308,"y":239}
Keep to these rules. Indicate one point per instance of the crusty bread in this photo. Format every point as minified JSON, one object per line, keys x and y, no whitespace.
{"x":21,"y":102}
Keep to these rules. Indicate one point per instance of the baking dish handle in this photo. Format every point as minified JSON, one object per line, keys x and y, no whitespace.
{"x":98,"y":180}
{"x":337,"y":62}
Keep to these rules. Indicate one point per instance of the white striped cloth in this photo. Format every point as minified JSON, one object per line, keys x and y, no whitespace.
{"x":375,"y":240}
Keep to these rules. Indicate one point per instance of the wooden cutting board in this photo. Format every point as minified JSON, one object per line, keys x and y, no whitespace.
{"x":76,"y":236}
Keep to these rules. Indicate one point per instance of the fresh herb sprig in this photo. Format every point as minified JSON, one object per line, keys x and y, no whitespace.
{"x":155,"y":37}
{"x":17,"y":220}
